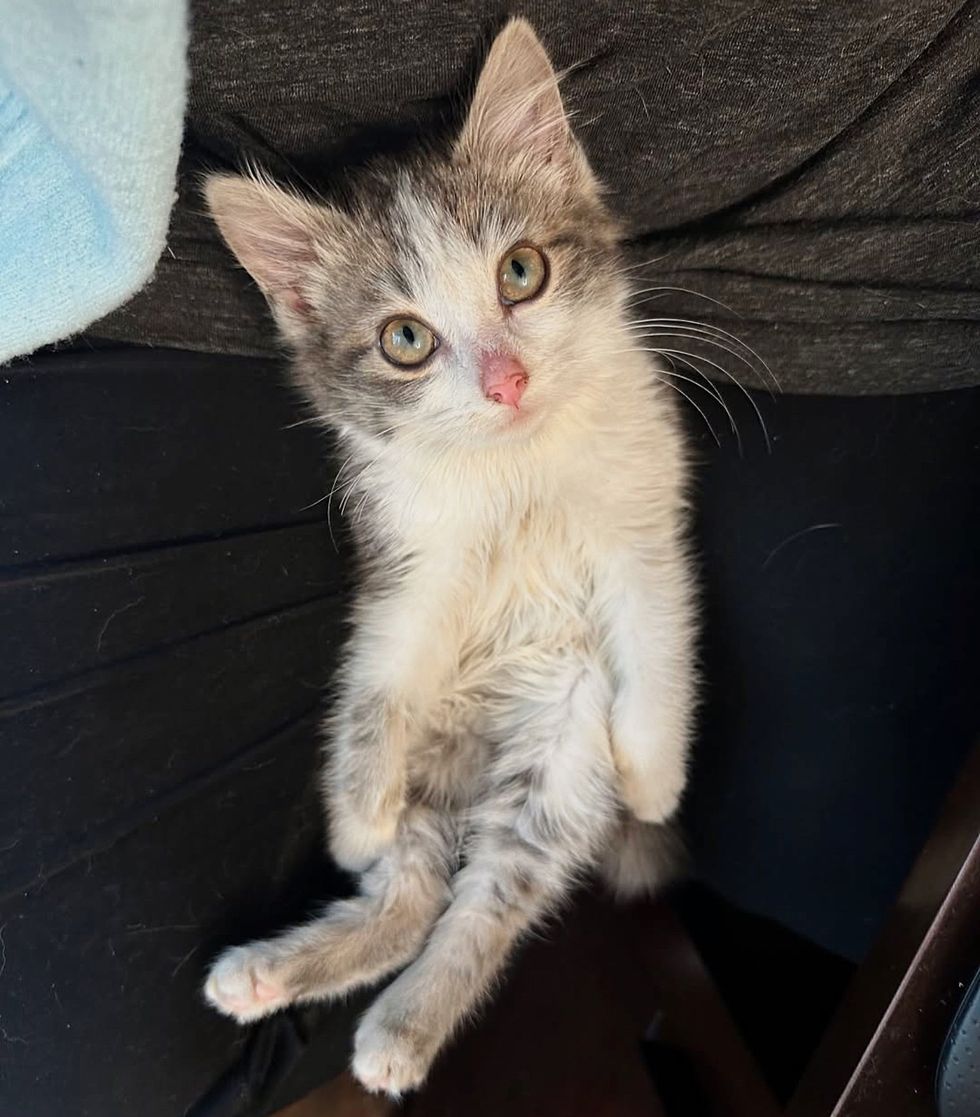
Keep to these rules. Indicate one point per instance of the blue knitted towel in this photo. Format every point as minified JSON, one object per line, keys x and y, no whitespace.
{"x":91,"y":112}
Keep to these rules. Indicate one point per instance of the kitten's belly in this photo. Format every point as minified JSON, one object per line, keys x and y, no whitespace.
{"x":524,"y":636}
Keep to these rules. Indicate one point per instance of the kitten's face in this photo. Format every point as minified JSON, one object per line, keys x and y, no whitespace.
{"x":437,"y":259}
{"x":459,"y":299}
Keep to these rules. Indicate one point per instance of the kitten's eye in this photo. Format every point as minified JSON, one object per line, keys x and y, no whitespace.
{"x":405,"y":341}
{"x":522,"y":274}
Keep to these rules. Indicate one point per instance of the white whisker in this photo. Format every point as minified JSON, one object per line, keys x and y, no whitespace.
{"x":645,"y":263}
{"x":680,"y":391}
{"x":313,"y":419}
{"x":718,"y":330}
{"x":688,"y":335}
{"x":710,"y":388}
{"x":686,"y":291}
{"x":724,"y":372}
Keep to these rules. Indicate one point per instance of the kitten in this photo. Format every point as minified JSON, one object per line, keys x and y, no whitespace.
{"x":515,"y":705}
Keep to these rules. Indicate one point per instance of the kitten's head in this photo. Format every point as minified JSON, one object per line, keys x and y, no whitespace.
{"x":458,"y":298}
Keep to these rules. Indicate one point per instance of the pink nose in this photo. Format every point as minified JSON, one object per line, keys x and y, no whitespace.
{"x":503,"y":379}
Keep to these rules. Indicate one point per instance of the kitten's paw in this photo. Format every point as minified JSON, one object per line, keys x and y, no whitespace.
{"x":356,"y":841}
{"x":652,"y":795}
{"x":242,"y":984}
{"x":388,"y":1060}
{"x":650,"y":760}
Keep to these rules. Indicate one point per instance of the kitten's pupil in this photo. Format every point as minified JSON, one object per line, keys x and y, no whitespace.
{"x":519,"y":270}
{"x":408,"y":334}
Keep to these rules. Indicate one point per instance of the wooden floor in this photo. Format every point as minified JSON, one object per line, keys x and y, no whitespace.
{"x":563,"y":1035}
{"x":341,"y":1098}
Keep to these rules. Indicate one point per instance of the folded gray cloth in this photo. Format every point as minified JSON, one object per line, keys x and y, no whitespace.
{"x":811,"y":165}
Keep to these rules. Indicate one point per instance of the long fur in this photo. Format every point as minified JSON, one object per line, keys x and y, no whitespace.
{"x":514,"y":708}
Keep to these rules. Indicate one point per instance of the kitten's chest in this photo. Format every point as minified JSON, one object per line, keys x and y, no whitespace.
{"x":530,"y":583}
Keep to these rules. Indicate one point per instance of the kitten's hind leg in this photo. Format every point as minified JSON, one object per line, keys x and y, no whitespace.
{"x":541,"y":826}
{"x":356,"y":941}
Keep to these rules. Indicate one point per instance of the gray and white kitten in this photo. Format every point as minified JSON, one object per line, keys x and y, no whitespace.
{"x":515,"y":706}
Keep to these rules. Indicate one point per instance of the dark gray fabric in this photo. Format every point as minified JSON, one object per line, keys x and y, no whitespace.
{"x":811,"y":164}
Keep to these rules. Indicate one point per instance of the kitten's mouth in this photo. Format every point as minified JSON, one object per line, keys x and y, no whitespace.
{"x":517,"y":421}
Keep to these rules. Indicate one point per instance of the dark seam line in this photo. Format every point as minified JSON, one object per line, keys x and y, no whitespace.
{"x":125,"y":358}
{"x":67,"y":568}
{"x":17,"y":569}
{"x":167,"y":801}
{"x":868,"y":287}
{"x":807,"y":325}
{"x":868,"y":221}
{"x":20,"y":702}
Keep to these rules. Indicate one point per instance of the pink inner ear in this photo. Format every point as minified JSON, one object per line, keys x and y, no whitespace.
{"x":297,"y":304}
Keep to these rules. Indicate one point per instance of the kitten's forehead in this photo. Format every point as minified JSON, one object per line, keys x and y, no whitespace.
{"x":440,"y":236}
{"x":436,"y":229}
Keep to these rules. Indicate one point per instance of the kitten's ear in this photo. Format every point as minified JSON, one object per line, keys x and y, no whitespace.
{"x":517,"y":111}
{"x":275,"y":235}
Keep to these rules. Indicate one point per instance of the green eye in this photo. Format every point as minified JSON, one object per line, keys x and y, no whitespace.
{"x":407,"y":342}
{"x":522,"y":274}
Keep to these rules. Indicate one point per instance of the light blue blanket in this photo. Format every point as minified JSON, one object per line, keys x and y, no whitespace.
{"x":91,"y":111}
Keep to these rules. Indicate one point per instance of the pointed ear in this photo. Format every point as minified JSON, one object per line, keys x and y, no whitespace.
{"x":517,"y":111}
{"x":275,"y":235}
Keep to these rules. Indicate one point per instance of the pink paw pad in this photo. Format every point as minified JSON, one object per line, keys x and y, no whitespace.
{"x":241,"y":986}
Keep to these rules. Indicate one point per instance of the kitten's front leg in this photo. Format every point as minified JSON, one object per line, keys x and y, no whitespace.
{"x":648,"y":609}
{"x":365,"y":775}
{"x":392,"y":670}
